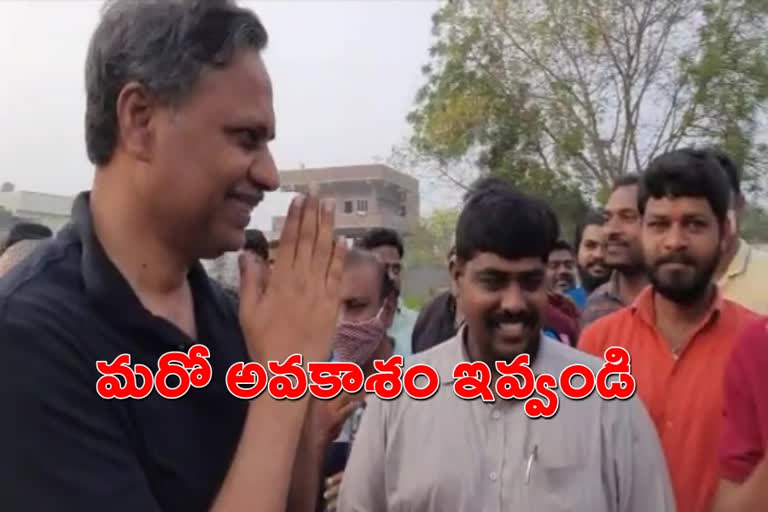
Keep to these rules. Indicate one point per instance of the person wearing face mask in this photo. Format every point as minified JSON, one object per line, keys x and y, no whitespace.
{"x":368,"y":302}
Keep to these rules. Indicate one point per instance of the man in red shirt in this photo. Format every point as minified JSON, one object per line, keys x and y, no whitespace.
{"x":680,"y":331}
{"x":743,"y":465}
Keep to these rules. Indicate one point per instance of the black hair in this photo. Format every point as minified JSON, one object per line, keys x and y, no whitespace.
{"x":26,"y":231}
{"x":627,"y":180}
{"x":687,"y":173}
{"x":561,"y":245}
{"x":167,"y":47}
{"x":256,"y":242}
{"x":382,"y":237}
{"x":503,"y":221}
{"x":731,"y":168}
{"x":485,"y":183}
{"x":592,"y":218}
{"x":357,"y":256}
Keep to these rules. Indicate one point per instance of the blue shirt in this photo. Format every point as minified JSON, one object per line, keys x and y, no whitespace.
{"x":579,"y":296}
{"x":402,"y":329}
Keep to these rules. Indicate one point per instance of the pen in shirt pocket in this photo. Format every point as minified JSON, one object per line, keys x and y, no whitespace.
{"x":531,"y":459}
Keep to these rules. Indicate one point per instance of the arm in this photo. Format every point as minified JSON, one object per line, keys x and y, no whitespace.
{"x":744,"y":478}
{"x":751,"y":495}
{"x":638,"y":466}
{"x":308,"y":466}
{"x":364,"y":486}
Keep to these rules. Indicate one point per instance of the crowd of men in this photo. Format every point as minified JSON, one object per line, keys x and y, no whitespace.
{"x":179,"y":99}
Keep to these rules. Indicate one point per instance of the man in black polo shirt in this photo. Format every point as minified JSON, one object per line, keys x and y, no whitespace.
{"x":179,"y":117}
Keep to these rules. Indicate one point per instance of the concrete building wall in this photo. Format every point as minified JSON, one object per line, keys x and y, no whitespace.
{"x":367,"y":196}
{"x":49,"y":209}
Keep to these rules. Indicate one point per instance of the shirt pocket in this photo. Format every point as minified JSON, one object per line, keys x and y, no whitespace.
{"x":562,"y":479}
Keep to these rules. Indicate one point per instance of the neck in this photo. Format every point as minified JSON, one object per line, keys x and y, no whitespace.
{"x":670,"y":312}
{"x":146,"y":261}
{"x":630,"y":285}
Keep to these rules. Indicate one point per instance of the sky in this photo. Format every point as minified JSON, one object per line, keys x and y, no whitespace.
{"x":345,"y":74}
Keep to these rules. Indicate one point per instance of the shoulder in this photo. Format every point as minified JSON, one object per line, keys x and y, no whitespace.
{"x":736,"y":315}
{"x":752,"y":345}
{"x":557,"y":356}
{"x":39,"y":287}
{"x":606,"y":326}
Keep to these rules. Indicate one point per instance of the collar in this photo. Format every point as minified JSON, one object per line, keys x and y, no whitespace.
{"x":739,"y":263}
{"x":452,"y":352}
{"x":103,"y":282}
{"x":643,"y":306}
{"x":609,"y":289}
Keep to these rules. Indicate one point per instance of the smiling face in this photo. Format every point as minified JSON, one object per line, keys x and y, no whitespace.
{"x":590,"y":257}
{"x":502,"y":301}
{"x":622,"y":231}
{"x":682,"y":244}
{"x":561,"y":270}
{"x":207,"y":160}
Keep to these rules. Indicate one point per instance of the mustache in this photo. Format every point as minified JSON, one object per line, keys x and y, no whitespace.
{"x":616,"y":238}
{"x":526,"y":317}
{"x":683,"y":259}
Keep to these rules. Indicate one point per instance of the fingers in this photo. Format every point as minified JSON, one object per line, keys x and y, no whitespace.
{"x":305,"y":246}
{"x":336,"y":269}
{"x":286,"y":249}
{"x":325,"y":240}
{"x":252,"y":279}
{"x":346,"y":411}
{"x":332,"y":487}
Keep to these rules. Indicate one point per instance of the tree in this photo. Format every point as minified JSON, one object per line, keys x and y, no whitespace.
{"x":754,"y":225}
{"x":574,"y":94}
{"x":431,"y":241}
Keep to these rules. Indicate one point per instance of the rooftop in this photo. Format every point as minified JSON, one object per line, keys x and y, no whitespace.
{"x":291,"y":178}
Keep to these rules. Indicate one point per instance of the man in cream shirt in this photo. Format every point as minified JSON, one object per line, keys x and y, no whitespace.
{"x":744,"y":268}
{"x":449,"y":454}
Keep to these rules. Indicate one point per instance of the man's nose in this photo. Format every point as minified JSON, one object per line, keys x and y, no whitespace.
{"x":675,"y":238}
{"x":263,"y":172}
{"x":512,"y":298}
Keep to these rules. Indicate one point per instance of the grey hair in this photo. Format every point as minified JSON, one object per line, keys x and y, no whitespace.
{"x":165,"y":45}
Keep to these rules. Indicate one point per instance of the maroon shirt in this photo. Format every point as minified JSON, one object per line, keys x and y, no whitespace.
{"x":745,"y":419}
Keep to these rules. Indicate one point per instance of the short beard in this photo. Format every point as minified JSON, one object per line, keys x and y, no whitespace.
{"x":694,"y":291}
{"x":589,"y":282}
{"x":630,"y":269}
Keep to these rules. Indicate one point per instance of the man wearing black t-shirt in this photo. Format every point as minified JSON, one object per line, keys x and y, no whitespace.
{"x":178,"y":121}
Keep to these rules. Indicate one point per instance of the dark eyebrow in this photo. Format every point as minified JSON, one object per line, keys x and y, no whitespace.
{"x":259,"y":130}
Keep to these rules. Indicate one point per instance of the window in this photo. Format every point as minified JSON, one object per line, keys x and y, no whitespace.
{"x":402,"y":210}
{"x":362,"y":205}
{"x":347,"y":206}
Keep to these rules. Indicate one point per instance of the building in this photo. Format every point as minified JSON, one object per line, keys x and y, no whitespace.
{"x":367,"y":196}
{"x":51,"y":210}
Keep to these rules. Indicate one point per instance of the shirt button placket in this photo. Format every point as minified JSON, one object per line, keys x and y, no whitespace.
{"x":498,"y":450}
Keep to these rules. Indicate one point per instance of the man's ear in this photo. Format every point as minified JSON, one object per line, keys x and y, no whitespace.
{"x":135,"y":109}
{"x":457,"y":269}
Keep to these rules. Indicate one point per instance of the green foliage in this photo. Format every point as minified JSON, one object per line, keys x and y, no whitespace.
{"x":431,"y":241}
{"x":754,"y":225}
{"x":413,"y":303}
{"x":563,"y":97}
